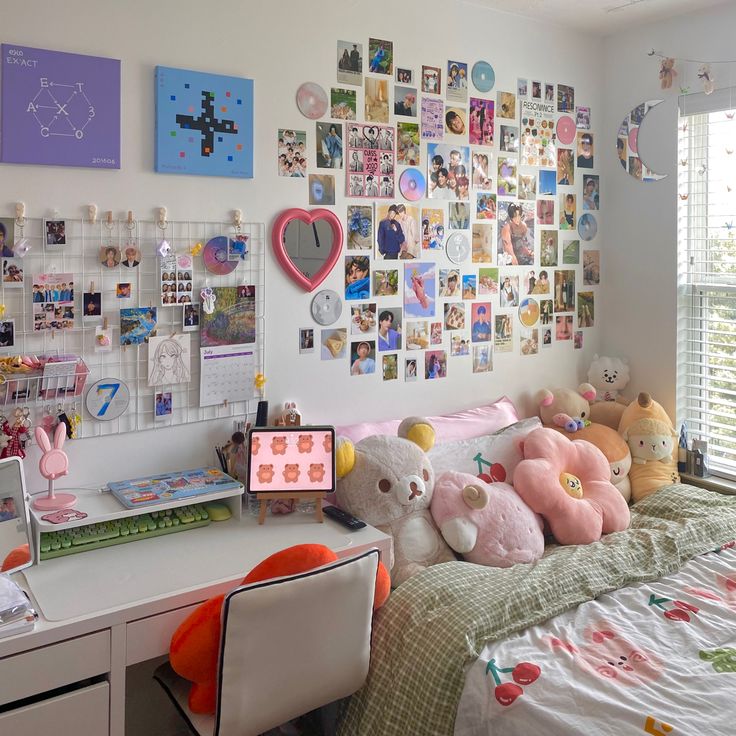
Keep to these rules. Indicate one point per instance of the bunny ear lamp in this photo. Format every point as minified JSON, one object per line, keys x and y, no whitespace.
{"x":53,"y":464}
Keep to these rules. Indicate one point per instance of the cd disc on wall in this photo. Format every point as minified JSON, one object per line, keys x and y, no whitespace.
{"x":214,"y":257}
{"x":311,"y":99}
{"x":483,"y":76}
{"x":566,"y":130}
{"x":412,"y":185}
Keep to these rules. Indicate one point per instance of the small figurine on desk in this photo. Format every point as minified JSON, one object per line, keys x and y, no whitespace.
{"x":291,"y":416}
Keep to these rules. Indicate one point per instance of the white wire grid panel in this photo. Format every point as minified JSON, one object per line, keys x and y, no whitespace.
{"x":80,"y":257}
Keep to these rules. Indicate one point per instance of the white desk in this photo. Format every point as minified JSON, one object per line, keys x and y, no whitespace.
{"x":115,"y":607}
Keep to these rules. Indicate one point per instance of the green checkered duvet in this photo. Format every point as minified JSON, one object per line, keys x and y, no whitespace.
{"x":437,"y":622}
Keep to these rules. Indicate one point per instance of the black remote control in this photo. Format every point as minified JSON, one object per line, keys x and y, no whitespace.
{"x":343,"y":517}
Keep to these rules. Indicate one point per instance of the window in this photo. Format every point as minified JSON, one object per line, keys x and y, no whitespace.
{"x":706,"y":399}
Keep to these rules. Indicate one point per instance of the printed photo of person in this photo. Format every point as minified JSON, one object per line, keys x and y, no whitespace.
{"x":571,"y":253}
{"x":390,"y":367}
{"x":565,"y":167}
{"x":321,"y":189}
{"x":410,"y":369}
{"x":7,"y":237}
{"x":546,"y":310}
{"x":585,"y":150}
{"x":563,"y":328}
{"x":389,"y":329}
{"x":516,"y":233}
{"x":455,"y":124}
{"x":329,"y":145}
{"x":357,"y":277}
{"x":469,"y":286}
{"x":306,"y":340}
{"x":506,"y":105}
{"x":458,"y":215}
{"x":545,"y":212}
{"x":362,"y":358}
{"x":431,"y":80}
{"x":481,"y":122}
{"x":590,"y":192}
{"x":457,"y":81}
{"x":591,"y":267}
{"x":435,"y":364}
{"x":404,"y":75}
{"x":536,"y":90}
{"x":565,"y":98}
{"x":433,"y":229}
{"x":450,"y":283}
{"x":487,"y":281}
{"x":13,"y":273}
{"x":548,"y":240}
{"x":407,"y":144}
{"x":503,"y":334}
{"x":447,"y":171}
{"x":586,"y":309}
{"x":509,"y":290}
{"x":481,"y":321}
{"x":549,"y":92}
{"x":92,"y":305}
{"x":55,"y":232}
{"x":380,"y":56}
{"x":567,"y":212}
{"x":390,"y":237}
{"x":522,"y":87}
{"x":527,"y":186}
{"x":405,"y":101}
{"x":349,"y":62}
{"x":482,"y":359}
{"x":485,"y":206}
{"x":7,"y":333}
{"x":343,"y":103}
{"x":292,"y":153}
{"x":564,"y":291}
{"x":481,"y":171}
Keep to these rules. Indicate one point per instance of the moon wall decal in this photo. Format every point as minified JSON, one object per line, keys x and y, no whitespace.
{"x":627,"y":144}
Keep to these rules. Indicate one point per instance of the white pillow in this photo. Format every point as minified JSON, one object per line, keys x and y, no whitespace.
{"x":493,"y":457}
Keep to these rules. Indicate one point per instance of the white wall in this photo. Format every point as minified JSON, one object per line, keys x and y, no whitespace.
{"x":280,"y":45}
{"x":639,"y":265}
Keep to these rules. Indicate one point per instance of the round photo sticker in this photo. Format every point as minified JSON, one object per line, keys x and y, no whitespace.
{"x":587,"y":227}
{"x":529,"y":312}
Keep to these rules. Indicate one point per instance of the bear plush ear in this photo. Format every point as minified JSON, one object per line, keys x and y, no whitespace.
{"x":545,"y":397}
{"x":587,"y":391}
{"x":344,"y":457}
{"x":419,"y":431}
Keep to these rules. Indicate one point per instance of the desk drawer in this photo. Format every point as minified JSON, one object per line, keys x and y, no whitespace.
{"x":150,"y":637}
{"x":82,"y":712}
{"x":46,"y":668}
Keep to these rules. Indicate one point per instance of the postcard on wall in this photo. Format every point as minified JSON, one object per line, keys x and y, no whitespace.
{"x":232,"y":321}
{"x":506,"y":183}
{"x":137,"y":325}
{"x":343,"y":105}
{"x":407,"y":218}
{"x":591,"y":267}
{"x":482,"y":240}
{"x":204,"y":123}
{"x":363,"y":318}
{"x":333,"y":344}
{"x":528,"y":340}
{"x":407,"y":144}
{"x":457,"y":81}
{"x":83,"y":90}
{"x":370,"y":161}
{"x":433,"y":126}
{"x":487,"y":281}
{"x":420,"y":289}
{"x":55,"y":231}
{"x":504,"y":333}
{"x":169,"y":360}
{"x":565,"y":98}
{"x":447,"y":167}
{"x":522,"y":87}
{"x":321,"y":189}
{"x":350,"y":62}
{"x":586,"y":309}
{"x":582,"y":118}
{"x":53,"y":301}
{"x":481,"y":170}
{"x":482,"y":358}
{"x":537,"y":146}
{"x":329,"y":141}
{"x":433,"y":229}
{"x":431,"y":80}
{"x":456,"y":124}
{"x":376,"y":100}
{"x":506,"y":105}
{"x":405,"y":101}
{"x":226,"y":374}
{"x":360,"y":227}
{"x":380,"y":56}
{"x":481,"y":125}
{"x":292,"y":153}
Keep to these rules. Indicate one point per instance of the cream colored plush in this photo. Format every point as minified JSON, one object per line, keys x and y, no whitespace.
{"x":388,"y":482}
{"x":650,"y":440}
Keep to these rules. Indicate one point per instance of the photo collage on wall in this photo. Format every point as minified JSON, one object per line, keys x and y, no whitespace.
{"x":488,"y":186}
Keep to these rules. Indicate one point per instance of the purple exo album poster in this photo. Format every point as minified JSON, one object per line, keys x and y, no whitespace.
{"x":59,"y":109}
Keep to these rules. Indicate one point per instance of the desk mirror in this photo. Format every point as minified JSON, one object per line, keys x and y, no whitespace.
{"x":16,"y":546}
{"x":307,"y":244}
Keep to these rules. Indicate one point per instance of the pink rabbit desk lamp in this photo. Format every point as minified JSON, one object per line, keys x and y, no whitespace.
{"x":53,"y":464}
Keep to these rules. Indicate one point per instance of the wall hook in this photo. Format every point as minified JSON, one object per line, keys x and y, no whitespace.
{"x":92,"y":213}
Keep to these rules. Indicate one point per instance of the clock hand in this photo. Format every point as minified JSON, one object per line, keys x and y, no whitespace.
{"x":316,"y":237}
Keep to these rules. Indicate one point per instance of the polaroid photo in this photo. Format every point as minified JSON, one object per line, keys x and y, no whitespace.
{"x":410,"y":369}
{"x":362,"y":358}
{"x":328,"y":139}
{"x":522,"y":87}
{"x":549,"y":93}
{"x":55,"y":231}
{"x":390,"y":367}
{"x":162,"y":405}
{"x":91,"y":306}
{"x":343,"y":103}
{"x":431,"y":81}
{"x":292,"y":153}
{"x":582,"y":118}
{"x":457,"y":81}
{"x":529,"y":340}
{"x":380,"y":56}
{"x":546,"y":337}
{"x":306,"y":340}
{"x":123,"y":290}
{"x":321,"y":189}
{"x":7,"y":333}
{"x":363,"y":318}
{"x":349,"y":62}
{"x":12,"y":273}
{"x":578,"y":340}
{"x":237,"y":247}
{"x":435,"y":364}
{"x":405,"y":101}
{"x":482,"y":358}
{"x":190,"y":317}
{"x":404,"y":75}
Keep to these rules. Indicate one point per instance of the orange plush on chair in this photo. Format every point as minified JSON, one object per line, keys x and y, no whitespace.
{"x":195,"y":644}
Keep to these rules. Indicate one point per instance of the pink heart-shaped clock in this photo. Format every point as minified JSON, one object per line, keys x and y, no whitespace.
{"x":332,"y":250}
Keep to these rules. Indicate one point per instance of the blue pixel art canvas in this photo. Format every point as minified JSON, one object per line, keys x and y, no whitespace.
{"x":204,"y":123}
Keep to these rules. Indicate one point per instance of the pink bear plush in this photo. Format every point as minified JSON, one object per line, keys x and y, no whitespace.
{"x":568,"y":483}
{"x":486,"y":522}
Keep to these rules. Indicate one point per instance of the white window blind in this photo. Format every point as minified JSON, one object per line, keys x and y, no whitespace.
{"x":707,"y":274}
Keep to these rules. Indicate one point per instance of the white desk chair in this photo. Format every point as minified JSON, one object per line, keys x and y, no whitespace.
{"x":288,"y":646}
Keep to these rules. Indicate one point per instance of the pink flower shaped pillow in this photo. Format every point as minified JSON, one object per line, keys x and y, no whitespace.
{"x":567,"y":482}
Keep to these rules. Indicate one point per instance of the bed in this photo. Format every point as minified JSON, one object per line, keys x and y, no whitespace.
{"x":633,"y":634}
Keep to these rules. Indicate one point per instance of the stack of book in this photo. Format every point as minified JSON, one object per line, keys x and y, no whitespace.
{"x":16,"y":612}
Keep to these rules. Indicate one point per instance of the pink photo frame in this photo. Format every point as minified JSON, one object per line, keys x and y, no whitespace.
{"x":288,"y":266}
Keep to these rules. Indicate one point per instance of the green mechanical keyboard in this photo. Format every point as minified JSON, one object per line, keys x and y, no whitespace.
{"x":119,"y":531}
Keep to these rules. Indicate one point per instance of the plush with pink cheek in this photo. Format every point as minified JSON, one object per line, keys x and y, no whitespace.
{"x":486,"y":522}
{"x":568,"y":483}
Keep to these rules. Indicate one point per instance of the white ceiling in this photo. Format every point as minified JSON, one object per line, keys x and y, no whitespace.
{"x":601,"y":17}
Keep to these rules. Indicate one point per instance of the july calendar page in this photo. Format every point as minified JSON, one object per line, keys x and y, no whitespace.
{"x":226,"y":374}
